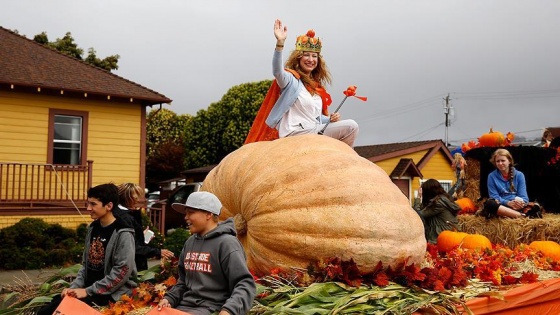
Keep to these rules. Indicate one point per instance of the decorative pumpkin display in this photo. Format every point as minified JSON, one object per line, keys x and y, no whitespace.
{"x":510,"y":136}
{"x":447,"y":240}
{"x":468,"y":145}
{"x":492,"y":139}
{"x":476,"y":241}
{"x":467,"y":205}
{"x":548,"y":248}
{"x":304,"y":199}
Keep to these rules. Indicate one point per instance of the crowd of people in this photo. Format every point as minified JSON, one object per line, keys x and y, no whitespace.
{"x":507,"y":196}
{"x":213,"y":274}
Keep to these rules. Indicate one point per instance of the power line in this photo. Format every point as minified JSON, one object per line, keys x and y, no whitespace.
{"x":552,"y":93}
{"x":422,"y":133}
{"x":403,"y":109}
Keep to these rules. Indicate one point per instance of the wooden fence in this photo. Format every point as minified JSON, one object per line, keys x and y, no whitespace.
{"x":29,"y":183}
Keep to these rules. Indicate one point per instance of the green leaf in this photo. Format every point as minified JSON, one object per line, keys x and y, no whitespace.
{"x":40,"y":300}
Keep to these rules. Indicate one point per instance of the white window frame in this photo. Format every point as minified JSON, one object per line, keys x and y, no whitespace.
{"x":76,"y":130}
{"x":445,"y":183}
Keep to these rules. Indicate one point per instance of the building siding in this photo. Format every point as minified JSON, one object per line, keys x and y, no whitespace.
{"x":438,"y":167}
{"x":67,"y":221}
{"x":113,"y":135}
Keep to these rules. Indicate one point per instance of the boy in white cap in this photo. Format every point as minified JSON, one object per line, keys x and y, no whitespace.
{"x":213,"y":274}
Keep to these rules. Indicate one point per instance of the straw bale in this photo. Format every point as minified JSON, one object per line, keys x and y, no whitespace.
{"x":472,"y":179}
{"x":512,"y":232}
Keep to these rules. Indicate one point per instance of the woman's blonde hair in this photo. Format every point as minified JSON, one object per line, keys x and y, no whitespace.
{"x":504,"y":152}
{"x":129,"y":194}
{"x":320,"y":75}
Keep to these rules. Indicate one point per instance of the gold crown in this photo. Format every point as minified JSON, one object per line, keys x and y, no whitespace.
{"x":308,"y":42}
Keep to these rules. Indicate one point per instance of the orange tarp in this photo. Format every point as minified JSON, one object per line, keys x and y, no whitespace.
{"x":165,"y":311}
{"x":540,"y":298}
{"x":72,"y":306}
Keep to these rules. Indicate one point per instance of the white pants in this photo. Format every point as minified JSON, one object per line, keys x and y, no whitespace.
{"x":344,"y":130}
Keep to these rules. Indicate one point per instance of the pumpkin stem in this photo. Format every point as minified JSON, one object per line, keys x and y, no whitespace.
{"x":240,"y":224}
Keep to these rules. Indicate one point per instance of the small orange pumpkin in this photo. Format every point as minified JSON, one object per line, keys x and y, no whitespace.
{"x":492,"y":139}
{"x":509,"y":138}
{"x":447,"y":240}
{"x":467,"y":205}
{"x":476,"y":241}
{"x":549,"y":249}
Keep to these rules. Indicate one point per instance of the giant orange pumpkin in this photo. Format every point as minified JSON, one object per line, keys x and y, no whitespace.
{"x":302,"y":199}
{"x":492,"y":139}
{"x":548,"y":248}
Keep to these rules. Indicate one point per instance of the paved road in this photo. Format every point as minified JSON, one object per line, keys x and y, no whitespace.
{"x":13,"y":277}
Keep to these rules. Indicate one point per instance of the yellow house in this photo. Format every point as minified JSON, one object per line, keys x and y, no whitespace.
{"x":408,"y":164}
{"x":64,"y":126}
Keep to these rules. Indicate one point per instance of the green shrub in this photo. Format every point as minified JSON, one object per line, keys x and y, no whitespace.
{"x":58,"y":233}
{"x":28,"y":232}
{"x":35,"y":258}
{"x":81,"y":231}
{"x":32,"y":243}
{"x":175,"y":241}
{"x":59,"y":257}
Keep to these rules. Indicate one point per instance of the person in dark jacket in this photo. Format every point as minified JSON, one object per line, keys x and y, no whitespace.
{"x":108,"y":269}
{"x":213,"y":273}
{"x":436,"y":208}
{"x":129,"y":194}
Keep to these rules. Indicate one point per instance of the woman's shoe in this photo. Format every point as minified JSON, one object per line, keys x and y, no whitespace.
{"x":535,"y":212}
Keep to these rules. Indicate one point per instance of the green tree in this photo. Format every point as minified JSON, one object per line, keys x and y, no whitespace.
{"x":66,"y":45}
{"x":107,"y":63}
{"x":163,"y":126}
{"x":164,"y":145}
{"x":222,"y":128}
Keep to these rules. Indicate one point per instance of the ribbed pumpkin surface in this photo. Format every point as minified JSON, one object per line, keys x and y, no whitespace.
{"x":300,"y":199}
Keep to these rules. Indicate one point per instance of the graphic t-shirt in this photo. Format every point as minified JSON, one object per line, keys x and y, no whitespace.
{"x":95,"y":264}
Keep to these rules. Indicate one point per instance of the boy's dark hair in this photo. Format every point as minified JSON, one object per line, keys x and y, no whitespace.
{"x":105,"y":193}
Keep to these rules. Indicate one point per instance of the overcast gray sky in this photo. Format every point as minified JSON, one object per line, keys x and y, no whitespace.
{"x":497,"y":59}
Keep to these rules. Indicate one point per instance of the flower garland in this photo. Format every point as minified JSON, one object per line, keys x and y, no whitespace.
{"x":440,"y":272}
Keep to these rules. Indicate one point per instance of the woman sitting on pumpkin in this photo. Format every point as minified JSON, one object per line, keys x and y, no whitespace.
{"x":297,"y":102}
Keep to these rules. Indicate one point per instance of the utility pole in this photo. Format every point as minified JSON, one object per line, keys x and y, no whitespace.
{"x":446,"y":110}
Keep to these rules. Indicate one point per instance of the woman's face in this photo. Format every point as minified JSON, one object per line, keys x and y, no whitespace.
{"x":502,"y":163}
{"x":308,"y":61}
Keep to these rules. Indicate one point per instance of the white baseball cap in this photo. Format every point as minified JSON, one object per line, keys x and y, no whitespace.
{"x":200,"y":200}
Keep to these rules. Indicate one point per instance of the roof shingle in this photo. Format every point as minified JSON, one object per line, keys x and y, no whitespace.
{"x":23,"y":62}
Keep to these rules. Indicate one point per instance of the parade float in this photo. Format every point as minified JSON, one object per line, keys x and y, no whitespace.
{"x":326,"y":232}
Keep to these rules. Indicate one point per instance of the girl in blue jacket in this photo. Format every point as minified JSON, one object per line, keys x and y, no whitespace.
{"x":507,"y":190}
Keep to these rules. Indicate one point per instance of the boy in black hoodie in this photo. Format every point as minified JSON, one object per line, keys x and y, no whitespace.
{"x":213,"y":274}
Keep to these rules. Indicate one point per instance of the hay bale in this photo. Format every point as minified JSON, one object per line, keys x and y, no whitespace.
{"x":472,"y":179}
{"x":512,"y":232}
